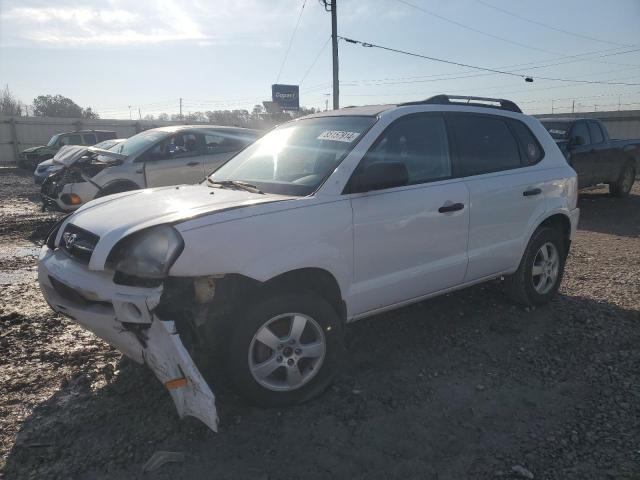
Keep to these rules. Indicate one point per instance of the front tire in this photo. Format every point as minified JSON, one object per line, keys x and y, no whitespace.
{"x":286,"y":349}
{"x":539,"y":275}
{"x":622,"y":186}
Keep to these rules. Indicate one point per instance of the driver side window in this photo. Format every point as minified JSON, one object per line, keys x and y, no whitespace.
{"x":180,"y":145}
{"x":420,"y":143}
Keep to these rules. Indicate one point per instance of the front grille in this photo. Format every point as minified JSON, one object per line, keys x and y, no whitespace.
{"x":67,"y":292}
{"x":70,"y":295}
{"x":78,"y":243}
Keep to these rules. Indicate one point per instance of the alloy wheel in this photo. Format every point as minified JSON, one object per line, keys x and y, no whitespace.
{"x":546,"y":267}
{"x":287,"y":352}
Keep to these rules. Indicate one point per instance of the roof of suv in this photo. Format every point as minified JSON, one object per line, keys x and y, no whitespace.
{"x":86,"y":131}
{"x":176,"y":128}
{"x":457,"y":100}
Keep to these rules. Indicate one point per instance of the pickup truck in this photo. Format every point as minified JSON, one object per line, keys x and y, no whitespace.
{"x":594,"y":156}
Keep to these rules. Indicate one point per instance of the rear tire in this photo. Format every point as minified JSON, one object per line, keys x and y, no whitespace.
{"x":301,"y":364}
{"x":539,"y":275}
{"x":622,"y":186}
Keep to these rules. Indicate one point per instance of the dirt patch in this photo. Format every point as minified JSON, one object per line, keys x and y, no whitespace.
{"x":462,"y":386}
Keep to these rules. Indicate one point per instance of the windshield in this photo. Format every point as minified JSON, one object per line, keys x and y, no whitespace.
{"x":558,"y":130}
{"x":139,"y":142}
{"x":107,"y":144}
{"x":52,"y":141}
{"x":297,"y":157}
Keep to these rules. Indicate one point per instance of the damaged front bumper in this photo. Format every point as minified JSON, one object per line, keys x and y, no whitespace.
{"x":124,"y":317}
{"x":58,"y":192}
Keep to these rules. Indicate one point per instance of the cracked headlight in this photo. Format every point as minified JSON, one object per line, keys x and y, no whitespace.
{"x":149,"y":253}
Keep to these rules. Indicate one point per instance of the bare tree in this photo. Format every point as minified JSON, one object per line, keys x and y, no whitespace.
{"x":9,"y":104}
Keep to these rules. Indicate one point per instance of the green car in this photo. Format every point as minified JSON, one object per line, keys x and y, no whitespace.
{"x":31,"y":157}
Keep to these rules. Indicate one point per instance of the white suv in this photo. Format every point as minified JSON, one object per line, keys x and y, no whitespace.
{"x":323,"y":221}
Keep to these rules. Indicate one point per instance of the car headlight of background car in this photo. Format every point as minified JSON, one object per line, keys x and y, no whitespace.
{"x":149,"y":253}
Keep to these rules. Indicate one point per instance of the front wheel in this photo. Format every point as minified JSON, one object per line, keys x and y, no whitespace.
{"x":286,"y":349}
{"x":538,"y":277}
{"x":622,"y":186}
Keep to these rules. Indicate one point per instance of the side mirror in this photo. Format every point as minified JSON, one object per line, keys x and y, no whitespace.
{"x":381,"y":175}
{"x":577,"y":141}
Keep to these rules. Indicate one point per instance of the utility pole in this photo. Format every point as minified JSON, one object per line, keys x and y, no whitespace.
{"x":139,"y":114}
{"x":552,"y":107}
{"x":180,"y":107}
{"x":130,"y":117}
{"x":573,"y":106}
{"x":330,"y":6}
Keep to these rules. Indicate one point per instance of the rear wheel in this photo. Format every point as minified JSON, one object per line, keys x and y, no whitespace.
{"x":286,"y":349}
{"x":622,"y":186}
{"x":541,"y":269}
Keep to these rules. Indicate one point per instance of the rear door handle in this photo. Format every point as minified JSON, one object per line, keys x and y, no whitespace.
{"x":454,"y":207}
{"x":193,"y":164}
{"x":531,"y":192}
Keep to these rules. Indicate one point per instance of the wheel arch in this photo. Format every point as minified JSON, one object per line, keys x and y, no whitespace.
{"x":107,"y":188}
{"x":317,"y":280}
{"x":559,"y":221}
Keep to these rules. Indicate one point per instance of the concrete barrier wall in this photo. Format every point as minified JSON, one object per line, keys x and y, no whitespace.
{"x":18,"y":133}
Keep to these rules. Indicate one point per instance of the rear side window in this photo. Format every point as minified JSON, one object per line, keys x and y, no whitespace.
{"x":580,"y":130}
{"x":596,"y":133}
{"x":531,"y":149}
{"x":73,"y":139}
{"x":484,"y":144}
{"x":89,"y":138}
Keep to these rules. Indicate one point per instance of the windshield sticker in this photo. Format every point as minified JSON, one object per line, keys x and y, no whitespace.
{"x":557,"y":132}
{"x":338,"y":136}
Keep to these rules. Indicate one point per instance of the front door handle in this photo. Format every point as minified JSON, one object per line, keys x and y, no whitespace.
{"x":140,"y":171}
{"x":531,"y":192}
{"x":193,"y":164}
{"x":454,"y":207}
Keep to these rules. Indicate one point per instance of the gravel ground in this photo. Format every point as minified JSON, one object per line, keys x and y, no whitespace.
{"x":462,"y":386}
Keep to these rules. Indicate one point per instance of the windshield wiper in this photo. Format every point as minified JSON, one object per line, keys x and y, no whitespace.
{"x":234,"y":184}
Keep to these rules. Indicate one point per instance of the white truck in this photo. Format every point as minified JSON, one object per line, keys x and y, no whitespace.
{"x":323,"y":221}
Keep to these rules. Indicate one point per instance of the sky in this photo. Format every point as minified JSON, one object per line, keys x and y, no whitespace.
{"x":113,"y":54}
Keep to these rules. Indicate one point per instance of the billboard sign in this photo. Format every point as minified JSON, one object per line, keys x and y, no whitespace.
{"x":287,"y":96}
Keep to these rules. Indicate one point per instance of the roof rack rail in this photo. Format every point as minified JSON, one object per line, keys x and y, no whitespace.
{"x":502,"y":104}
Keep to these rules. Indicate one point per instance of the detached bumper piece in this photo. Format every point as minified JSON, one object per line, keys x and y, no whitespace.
{"x":124,"y":318}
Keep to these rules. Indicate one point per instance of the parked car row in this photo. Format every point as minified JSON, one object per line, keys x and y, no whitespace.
{"x":31,"y":157}
{"x":323,"y":221}
{"x":153,"y":158}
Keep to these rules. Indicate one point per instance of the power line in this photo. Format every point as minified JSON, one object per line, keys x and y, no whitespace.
{"x":295,"y":29}
{"x":481,"y":32}
{"x":567,"y":32}
{"x":475,"y":67}
{"x":416,"y":78}
{"x":324,"y":45}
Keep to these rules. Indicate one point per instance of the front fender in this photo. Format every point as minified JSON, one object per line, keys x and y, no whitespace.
{"x":266,"y":245}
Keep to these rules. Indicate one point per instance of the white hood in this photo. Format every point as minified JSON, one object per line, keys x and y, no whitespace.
{"x":115,"y":216}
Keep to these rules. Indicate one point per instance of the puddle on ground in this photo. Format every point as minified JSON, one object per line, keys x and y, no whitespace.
{"x":23,"y":251}
{"x":21,"y":275}
{"x":18,"y":276}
